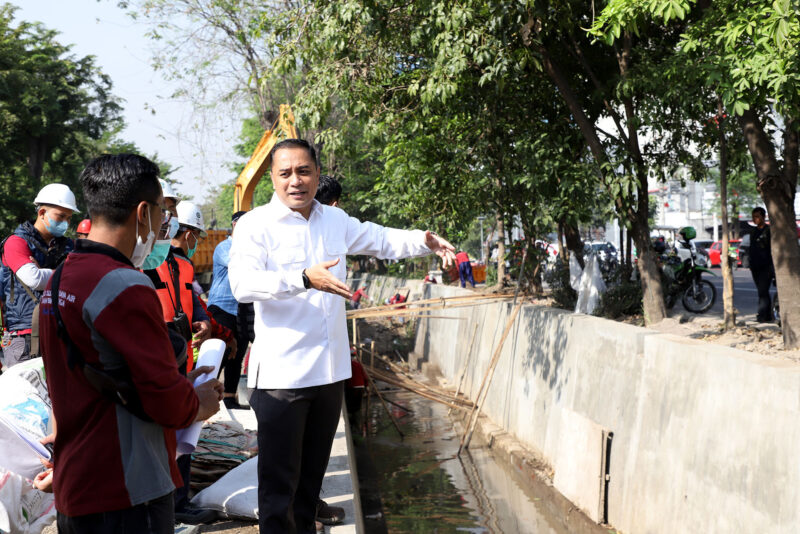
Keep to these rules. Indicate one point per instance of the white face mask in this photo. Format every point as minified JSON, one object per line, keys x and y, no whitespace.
{"x":142,"y":250}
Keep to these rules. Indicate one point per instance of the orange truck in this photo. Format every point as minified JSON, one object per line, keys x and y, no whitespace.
{"x":245,"y":186}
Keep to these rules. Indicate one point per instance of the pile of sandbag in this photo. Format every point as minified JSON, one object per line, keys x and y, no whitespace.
{"x":223,"y":446}
{"x":24,"y":420}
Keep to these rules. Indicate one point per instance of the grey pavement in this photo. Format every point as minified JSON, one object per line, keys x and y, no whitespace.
{"x":745,"y":296}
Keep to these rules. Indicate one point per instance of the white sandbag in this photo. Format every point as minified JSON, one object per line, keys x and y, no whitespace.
{"x":235,"y":495}
{"x":24,"y":418}
{"x":23,"y":509}
{"x":575,"y":273}
{"x":211,"y":353}
{"x":591,"y":287}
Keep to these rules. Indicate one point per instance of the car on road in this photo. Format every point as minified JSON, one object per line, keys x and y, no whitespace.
{"x":715,"y":253}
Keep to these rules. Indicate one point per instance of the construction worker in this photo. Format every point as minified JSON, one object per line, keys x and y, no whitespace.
{"x":464,"y":268}
{"x":29,"y":256}
{"x":183,"y":313}
{"x":84,"y":228}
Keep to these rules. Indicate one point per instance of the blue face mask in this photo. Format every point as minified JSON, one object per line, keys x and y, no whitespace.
{"x":173,"y":227}
{"x":193,"y":249}
{"x":56,"y":229}
{"x":157,"y":256}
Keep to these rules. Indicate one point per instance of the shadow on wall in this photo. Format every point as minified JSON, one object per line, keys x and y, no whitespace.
{"x":545,"y":353}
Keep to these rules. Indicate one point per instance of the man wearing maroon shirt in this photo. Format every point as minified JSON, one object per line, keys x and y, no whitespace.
{"x":114,"y":471}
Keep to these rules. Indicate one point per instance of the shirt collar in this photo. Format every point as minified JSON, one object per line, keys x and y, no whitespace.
{"x":85,"y":246}
{"x":282,"y":210}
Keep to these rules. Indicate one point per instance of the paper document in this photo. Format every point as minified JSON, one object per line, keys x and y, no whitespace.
{"x":211,"y":353}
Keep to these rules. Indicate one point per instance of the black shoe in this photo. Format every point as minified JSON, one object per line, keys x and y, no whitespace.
{"x":195,"y":516}
{"x":329,"y":515}
{"x":231,"y":404}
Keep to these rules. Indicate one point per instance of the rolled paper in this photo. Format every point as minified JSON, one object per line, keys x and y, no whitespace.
{"x":211,"y":353}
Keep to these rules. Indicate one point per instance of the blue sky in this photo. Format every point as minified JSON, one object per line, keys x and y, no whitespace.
{"x":123,"y":52}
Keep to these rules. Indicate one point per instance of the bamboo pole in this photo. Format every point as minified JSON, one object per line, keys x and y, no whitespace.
{"x":417,"y":311}
{"x":372,"y":354}
{"x":487,"y":380}
{"x":388,"y":412}
{"x":466,"y":363}
{"x":414,"y":388}
{"x":441,"y":301}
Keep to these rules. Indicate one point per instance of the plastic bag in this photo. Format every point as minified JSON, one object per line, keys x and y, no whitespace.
{"x":23,"y":509}
{"x":591,"y":286}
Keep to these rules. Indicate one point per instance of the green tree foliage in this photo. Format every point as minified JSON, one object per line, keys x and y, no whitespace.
{"x":748,"y":53}
{"x":56,"y":111}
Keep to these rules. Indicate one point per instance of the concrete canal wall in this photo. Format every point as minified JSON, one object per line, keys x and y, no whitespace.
{"x":705,"y":438}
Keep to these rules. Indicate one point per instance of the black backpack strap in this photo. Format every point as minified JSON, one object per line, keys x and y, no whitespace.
{"x":174,"y":271}
{"x":74,"y":356}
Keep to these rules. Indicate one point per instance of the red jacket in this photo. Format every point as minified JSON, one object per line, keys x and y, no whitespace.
{"x":106,"y":458}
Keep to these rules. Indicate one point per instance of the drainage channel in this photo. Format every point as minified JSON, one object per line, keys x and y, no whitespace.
{"x":417,"y":484}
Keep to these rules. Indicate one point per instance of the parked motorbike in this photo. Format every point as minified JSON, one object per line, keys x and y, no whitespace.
{"x":683,"y":279}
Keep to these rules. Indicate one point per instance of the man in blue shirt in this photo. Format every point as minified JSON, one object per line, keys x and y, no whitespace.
{"x":223,"y":307}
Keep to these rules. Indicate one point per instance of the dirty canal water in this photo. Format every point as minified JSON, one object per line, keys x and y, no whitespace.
{"x":417,"y":484}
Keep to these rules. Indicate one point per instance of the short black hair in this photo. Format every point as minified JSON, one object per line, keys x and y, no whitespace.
{"x":760,"y":210}
{"x":235,"y":217}
{"x":329,"y":190}
{"x":294,"y":143}
{"x":114,"y":184}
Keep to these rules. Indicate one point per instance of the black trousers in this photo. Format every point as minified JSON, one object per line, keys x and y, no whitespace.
{"x":232,"y":366}
{"x":763,"y":280}
{"x":296,"y":428}
{"x":153,"y":517}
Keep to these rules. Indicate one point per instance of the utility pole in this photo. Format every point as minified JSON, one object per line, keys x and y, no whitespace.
{"x":481,"y":218}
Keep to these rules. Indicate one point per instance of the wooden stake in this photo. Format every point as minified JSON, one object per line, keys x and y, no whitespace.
{"x":372,"y":354}
{"x":466,"y":362}
{"x":487,"y":380}
{"x":388,"y":412}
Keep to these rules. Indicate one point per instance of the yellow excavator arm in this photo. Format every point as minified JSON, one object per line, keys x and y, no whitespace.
{"x":260,"y":162}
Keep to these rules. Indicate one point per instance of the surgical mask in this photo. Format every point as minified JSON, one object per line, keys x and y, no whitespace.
{"x":158,"y":255}
{"x":193,"y":249}
{"x":56,"y":229}
{"x":173,"y":227}
{"x":142,"y":249}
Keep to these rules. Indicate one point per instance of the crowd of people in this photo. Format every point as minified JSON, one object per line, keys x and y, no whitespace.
{"x":116,"y":318}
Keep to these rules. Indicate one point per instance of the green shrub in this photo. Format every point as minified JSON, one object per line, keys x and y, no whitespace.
{"x":557,"y":278}
{"x":623,"y":296}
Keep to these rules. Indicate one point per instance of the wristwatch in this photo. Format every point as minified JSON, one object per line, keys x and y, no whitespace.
{"x":306,"y":281}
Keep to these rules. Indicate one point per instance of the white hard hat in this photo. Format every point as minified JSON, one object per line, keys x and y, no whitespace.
{"x":190,"y":215}
{"x":166,"y":188}
{"x":57,"y":195}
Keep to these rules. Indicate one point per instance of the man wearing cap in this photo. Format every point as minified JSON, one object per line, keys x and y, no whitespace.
{"x":29,"y":256}
{"x":288,"y":257}
{"x":222,"y":305}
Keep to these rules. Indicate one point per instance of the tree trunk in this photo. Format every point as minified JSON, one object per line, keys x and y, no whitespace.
{"x":652,"y":293}
{"x":501,"y":249}
{"x":729,"y":312}
{"x":735,"y":220}
{"x":574,"y":242}
{"x":561,"y":249}
{"x":621,"y":251}
{"x":653,"y":301}
{"x":37,"y":151}
{"x":778,"y":190}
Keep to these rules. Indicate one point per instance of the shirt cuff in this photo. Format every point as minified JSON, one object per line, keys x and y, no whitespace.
{"x":294,"y":280}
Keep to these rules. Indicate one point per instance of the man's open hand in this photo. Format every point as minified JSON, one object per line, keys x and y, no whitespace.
{"x":322,"y":280}
{"x":442,"y":248}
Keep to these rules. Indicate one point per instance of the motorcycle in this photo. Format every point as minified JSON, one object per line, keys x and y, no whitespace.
{"x":683,"y":278}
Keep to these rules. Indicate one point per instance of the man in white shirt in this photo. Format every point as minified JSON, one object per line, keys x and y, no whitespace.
{"x":288,"y":258}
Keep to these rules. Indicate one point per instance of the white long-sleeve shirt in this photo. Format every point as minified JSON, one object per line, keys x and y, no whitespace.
{"x":301,"y":335}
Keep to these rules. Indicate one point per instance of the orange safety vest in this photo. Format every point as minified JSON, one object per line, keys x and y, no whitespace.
{"x":166,"y":295}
